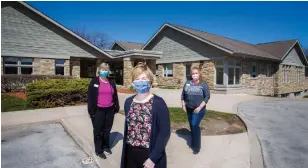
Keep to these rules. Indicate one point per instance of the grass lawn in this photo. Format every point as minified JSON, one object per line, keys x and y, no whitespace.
{"x":214,"y":123}
{"x":306,"y":96}
{"x":11,"y":103}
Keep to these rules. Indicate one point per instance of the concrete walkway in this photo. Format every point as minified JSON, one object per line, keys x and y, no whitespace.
{"x":228,"y":151}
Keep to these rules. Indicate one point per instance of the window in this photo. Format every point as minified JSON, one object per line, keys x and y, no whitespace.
{"x":60,"y":67}
{"x":14,"y":65}
{"x":219,"y":67}
{"x":268,"y":70}
{"x":254,"y":70}
{"x":285,"y":73}
{"x":234,"y":72}
{"x":168,"y":70}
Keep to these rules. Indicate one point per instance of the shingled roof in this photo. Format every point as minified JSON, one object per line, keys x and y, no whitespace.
{"x":233,"y":45}
{"x":129,"y":45}
{"x":278,"y":48}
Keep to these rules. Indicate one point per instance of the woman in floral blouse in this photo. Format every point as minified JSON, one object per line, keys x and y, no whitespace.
{"x":147,"y":125}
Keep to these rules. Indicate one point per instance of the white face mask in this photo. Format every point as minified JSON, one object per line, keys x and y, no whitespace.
{"x":195,"y":77}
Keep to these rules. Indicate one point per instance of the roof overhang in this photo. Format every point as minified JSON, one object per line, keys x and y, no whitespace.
{"x":144,"y":54}
{"x":63,"y":28}
{"x":187,"y":33}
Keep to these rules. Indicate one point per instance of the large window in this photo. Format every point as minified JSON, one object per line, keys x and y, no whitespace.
{"x":60,"y":67}
{"x":168,"y":70}
{"x":219,"y":67}
{"x":13,"y":65}
{"x":268,"y":70}
{"x":285,"y":72}
{"x":234,"y":72}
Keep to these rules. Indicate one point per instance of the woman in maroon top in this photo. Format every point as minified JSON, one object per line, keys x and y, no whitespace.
{"x":103,"y":103}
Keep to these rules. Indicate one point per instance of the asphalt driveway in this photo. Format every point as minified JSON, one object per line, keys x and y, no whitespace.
{"x":282,"y":127}
{"x":47,"y":146}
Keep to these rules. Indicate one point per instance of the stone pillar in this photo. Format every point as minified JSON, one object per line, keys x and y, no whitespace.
{"x":44,"y":66}
{"x":207,"y":70}
{"x":127,"y":72}
{"x":75,"y":67}
{"x":152,"y":65}
{"x":67,"y":68}
{"x":178,"y":74}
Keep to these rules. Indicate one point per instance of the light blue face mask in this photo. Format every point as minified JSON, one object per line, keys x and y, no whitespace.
{"x":142,"y":86}
{"x":103,"y":73}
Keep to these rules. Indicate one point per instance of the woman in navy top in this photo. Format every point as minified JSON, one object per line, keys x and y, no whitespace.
{"x":147,"y":125}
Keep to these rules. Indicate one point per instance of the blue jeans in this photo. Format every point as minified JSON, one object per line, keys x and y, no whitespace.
{"x":194,"y":120}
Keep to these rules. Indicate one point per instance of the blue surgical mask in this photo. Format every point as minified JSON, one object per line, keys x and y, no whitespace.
{"x":103,"y":73}
{"x":142,"y":86}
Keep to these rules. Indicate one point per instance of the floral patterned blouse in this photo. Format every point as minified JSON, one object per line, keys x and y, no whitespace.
{"x":139,"y":122}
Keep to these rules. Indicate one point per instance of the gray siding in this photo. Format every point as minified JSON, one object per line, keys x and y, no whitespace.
{"x":179,"y":47}
{"x":293,"y":59}
{"x":117,"y":47}
{"x":24,"y":33}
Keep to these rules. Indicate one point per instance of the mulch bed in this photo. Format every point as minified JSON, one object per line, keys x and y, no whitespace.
{"x":125,"y":90}
{"x":21,"y":95}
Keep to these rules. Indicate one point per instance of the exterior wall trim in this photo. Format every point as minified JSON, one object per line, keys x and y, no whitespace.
{"x":35,"y":55}
{"x":198,"y":38}
{"x":118,"y":45}
{"x":63,"y":28}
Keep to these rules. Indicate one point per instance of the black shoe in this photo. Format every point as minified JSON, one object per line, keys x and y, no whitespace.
{"x":101,"y":155}
{"x":195,"y":152}
{"x":107,"y":151}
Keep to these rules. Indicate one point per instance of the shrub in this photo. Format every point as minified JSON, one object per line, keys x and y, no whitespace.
{"x":57,"y":92}
{"x":12,"y":82}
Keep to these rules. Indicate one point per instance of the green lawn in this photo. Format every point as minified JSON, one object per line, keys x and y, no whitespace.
{"x":178,"y":116}
{"x":10,"y":103}
{"x":306,"y":96}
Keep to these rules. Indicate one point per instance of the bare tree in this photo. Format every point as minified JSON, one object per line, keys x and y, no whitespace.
{"x":99,"y":39}
{"x":306,"y":51}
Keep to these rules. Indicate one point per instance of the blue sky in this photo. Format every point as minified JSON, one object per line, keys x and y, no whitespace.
{"x":253,"y":22}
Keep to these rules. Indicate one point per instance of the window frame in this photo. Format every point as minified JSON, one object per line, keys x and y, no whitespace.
{"x":256,"y":69}
{"x":19,"y":65}
{"x":234,"y":67}
{"x":60,"y":66}
{"x":166,"y":70}
{"x":219,"y":66}
{"x":268,"y":70}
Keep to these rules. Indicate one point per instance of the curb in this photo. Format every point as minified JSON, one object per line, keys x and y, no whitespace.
{"x":256,"y":156}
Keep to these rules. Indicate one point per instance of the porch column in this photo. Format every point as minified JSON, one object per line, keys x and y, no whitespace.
{"x":75,"y":67}
{"x":226,"y":70}
{"x":152,"y":65}
{"x":127,"y":71}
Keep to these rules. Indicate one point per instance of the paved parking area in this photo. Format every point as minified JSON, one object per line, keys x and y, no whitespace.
{"x":282,"y":127}
{"x":47,"y":146}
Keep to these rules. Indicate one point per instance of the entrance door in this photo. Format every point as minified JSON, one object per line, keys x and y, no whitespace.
{"x":187,"y":72}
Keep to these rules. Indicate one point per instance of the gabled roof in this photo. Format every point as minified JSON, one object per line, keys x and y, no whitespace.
{"x":278,"y":48}
{"x":228,"y":45}
{"x":62,"y":27}
{"x":128,"y":45}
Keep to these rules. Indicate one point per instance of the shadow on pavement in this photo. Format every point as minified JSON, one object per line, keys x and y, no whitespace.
{"x":185,"y":134}
{"x":115,"y":137}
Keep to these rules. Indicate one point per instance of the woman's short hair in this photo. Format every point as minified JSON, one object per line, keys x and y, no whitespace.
{"x":141,"y":68}
{"x":102,"y":65}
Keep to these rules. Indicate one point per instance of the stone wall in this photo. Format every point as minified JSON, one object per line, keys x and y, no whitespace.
{"x":261,"y":84}
{"x":67,"y":68}
{"x":178,"y":79}
{"x":43,"y":66}
{"x":75,"y":67}
{"x":293,"y":85}
{"x":127,"y":71}
{"x":208,"y":72}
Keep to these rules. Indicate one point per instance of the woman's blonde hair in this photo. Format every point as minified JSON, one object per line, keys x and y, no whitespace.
{"x":141,"y":68}
{"x":199,"y":72}
{"x":102,"y":65}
